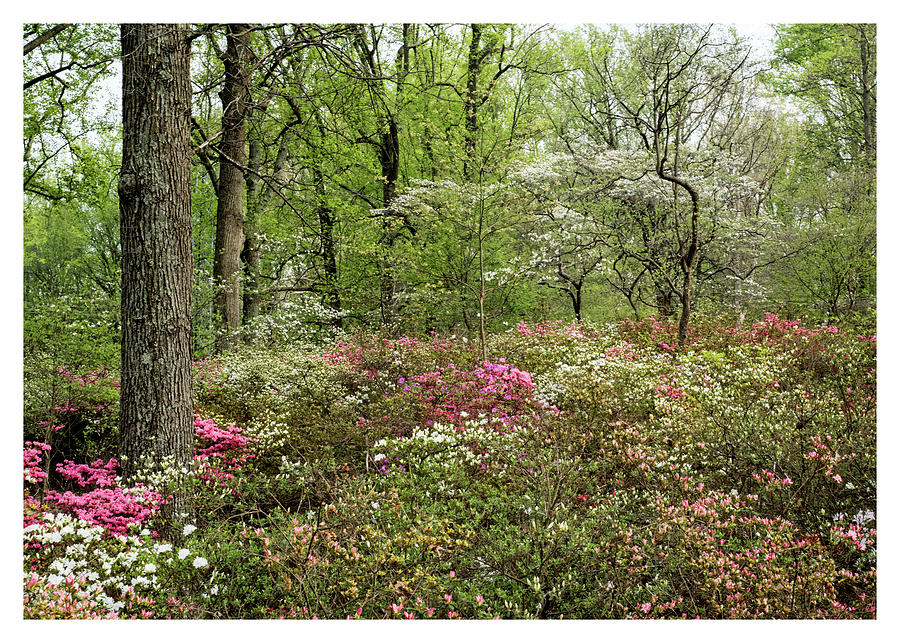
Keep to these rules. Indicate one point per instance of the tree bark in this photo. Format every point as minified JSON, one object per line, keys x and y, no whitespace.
{"x":230,"y":207}
{"x":250,"y":254}
{"x":866,"y":92}
{"x":329,"y":247}
{"x":474,"y":64}
{"x":157,"y":263}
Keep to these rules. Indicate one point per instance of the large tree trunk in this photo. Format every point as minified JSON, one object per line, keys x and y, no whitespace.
{"x":230,"y":208}
{"x":157,"y":263}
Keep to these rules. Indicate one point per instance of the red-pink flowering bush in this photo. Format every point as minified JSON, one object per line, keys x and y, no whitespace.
{"x":31,"y":461}
{"x":115,"y":508}
{"x":494,"y":390}
{"x":220,"y":451}
{"x":96,"y":473}
{"x":553,"y":329}
{"x":372,"y":356}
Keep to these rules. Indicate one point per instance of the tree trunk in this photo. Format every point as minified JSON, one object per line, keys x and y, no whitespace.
{"x":687,"y":283}
{"x":230,"y":208}
{"x":329,"y":251}
{"x":157,"y":263}
{"x":866,"y":87}
{"x":664,"y":302}
{"x":470,"y":105}
{"x":250,"y":254}
{"x":689,"y":258}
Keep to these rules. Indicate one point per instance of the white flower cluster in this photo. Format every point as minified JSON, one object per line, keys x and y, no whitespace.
{"x":110,"y":565}
{"x":303,"y":320}
{"x":291,"y":470}
{"x":279,"y":380}
{"x":164,"y":476}
{"x":441,"y":449}
{"x":269,"y":431}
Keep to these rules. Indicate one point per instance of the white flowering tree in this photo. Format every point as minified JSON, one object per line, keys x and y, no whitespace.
{"x":566,"y":244}
{"x":661,"y":116}
{"x":606,"y":213}
{"x":469,"y":244}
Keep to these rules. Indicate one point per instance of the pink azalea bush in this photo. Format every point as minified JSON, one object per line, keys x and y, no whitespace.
{"x":220,"y":451}
{"x":108,"y":505}
{"x":450,"y":395}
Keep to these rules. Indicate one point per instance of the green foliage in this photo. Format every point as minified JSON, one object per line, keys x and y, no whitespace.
{"x":828,"y":68}
{"x":62,"y":79}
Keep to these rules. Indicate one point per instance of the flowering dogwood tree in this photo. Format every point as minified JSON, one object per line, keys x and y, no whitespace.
{"x":468,"y":243}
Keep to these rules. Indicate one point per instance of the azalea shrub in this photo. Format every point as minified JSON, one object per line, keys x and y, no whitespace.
{"x":575,"y":471}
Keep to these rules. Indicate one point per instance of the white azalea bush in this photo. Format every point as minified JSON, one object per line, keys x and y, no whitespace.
{"x":74,"y":569}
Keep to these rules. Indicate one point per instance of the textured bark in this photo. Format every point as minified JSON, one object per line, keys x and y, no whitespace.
{"x":329,"y":247}
{"x":866,"y":92}
{"x":250,"y":255}
{"x":470,"y":105}
{"x":230,"y":206}
{"x":157,"y":262}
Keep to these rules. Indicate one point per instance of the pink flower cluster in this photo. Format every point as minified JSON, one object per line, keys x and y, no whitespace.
{"x":553,"y":328}
{"x":74,"y":598}
{"x":221,"y":450}
{"x":498,"y":390}
{"x":826,"y":455}
{"x":856,"y":535}
{"x":370,"y":355}
{"x":97,"y":376}
{"x":31,"y":461}
{"x":771,"y":480}
{"x":107,"y":505}
{"x":774,"y":328}
{"x":115,"y":508}
{"x":95,"y":473}
{"x":670,"y":390}
{"x":660,"y":333}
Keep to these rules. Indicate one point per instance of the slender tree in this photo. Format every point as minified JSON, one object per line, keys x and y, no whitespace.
{"x":230,"y":206}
